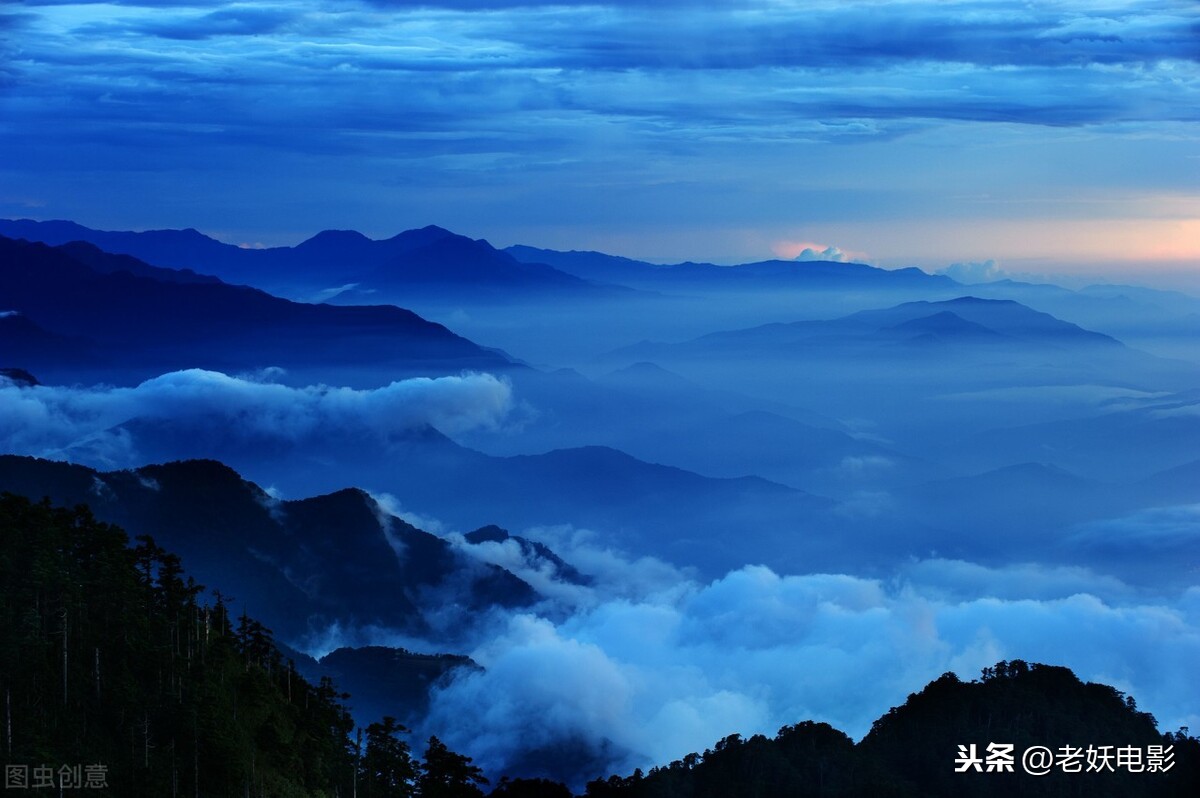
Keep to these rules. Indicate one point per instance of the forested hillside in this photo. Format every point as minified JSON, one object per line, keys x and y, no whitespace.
{"x":116,"y":671}
{"x":952,"y":739}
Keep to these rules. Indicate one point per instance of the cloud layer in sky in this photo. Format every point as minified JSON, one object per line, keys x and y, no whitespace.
{"x":579,"y":122}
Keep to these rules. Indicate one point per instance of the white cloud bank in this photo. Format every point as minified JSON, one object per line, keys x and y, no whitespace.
{"x":54,"y":421}
{"x":642,"y":676}
{"x":973,"y":272}
{"x":830,"y":253}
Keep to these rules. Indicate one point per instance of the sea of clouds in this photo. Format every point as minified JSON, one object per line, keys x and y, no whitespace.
{"x":649,"y":663}
{"x":84,"y":424}
{"x":645,"y":661}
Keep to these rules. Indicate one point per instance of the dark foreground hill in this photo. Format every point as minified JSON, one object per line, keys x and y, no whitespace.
{"x":303,"y":566}
{"x":120,"y":678}
{"x":952,"y":739}
{"x":115,"y":667}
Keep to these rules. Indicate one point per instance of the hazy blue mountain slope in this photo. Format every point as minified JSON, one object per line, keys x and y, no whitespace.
{"x":922,"y":370}
{"x":415,"y":261}
{"x":147,"y":325}
{"x":299,"y":565}
{"x":640,"y":506}
{"x":1025,"y":506}
{"x":1127,"y":444}
{"x":382,"y":680}
{"x":692,"y":276}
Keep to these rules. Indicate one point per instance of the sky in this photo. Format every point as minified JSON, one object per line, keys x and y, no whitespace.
{"x":1046,"y":137}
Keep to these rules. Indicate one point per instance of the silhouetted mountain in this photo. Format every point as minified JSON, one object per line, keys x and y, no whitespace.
{"x":1025,"y":706}
{"x":19,"y":377}
{"x":534,"y":552}
{"x":919,"y":749}
{"x":976,"y":317}
{"x":1119,"y":310}
{"x":640,"y":507}
{"x":1178,"y":485}
{"x":173,"y":249}
{"x":106,"y":263}
{"x":1133,"y":442}
{"x":956,"y":322}
{"x":593,"y":265}
{"x":148,"y":325}
{"x":813,"y":275}
{"x":301,"y":566}
{"x":973,"y":356}
{"x":381,"y":681}
{"x":456,"y":260}
{"x":944,"y":327}
{"x":1050,"y":499}
{"x":714,"y":432}
{"x":112,"y":656}
{"x":24,"y":341}
{"x":362,"y":269}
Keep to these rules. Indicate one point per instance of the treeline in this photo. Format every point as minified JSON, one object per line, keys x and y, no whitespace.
{"x":115,"y":671}
{"x":937,"y":745}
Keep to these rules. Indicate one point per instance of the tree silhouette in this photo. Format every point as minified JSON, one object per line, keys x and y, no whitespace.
{"x":446,"y":774}
{"x":388,"y":770}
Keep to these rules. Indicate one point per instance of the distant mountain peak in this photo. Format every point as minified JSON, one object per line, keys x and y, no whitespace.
{"x":198,"y":471}
{"x":334,"y":237}
{"x":487,"y":534}
{"x":19,"y":377}
{"x":975,"y":300}
{"x":944,"y":322}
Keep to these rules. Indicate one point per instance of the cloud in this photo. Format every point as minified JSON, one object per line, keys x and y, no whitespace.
{"x":958,"y":580}
{"x":546,"y":64}
{"x":830,"y":253}
{"x":859,"y":466}
{"x":642,"y":679}
{"x":1170,"y":530}
{"x":84,"y":423}
{"x":390,"y":506}
{"x":581,"y":115}
{"x":809,"y":251}
{"x":975,"y":272}
{"x":236,"y":21}
{"x":611,"y":572}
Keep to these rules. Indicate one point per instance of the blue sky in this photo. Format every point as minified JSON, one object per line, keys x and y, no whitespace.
{"x":1049,"y":136}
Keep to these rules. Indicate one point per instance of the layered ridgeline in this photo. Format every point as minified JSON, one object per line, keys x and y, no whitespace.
{"x":314,"y":570}
{"x":74,"y":311}
{"x":477,"y":288}
{"x":435,"y":259}
{"x":113,"y":665}
{"x":427,"y":260}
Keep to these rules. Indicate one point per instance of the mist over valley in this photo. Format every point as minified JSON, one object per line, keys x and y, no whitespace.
{"x":577,"y":514}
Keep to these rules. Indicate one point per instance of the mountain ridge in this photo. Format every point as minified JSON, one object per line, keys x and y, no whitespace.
{"x":131,"y":317}
{"x":416,"y":260}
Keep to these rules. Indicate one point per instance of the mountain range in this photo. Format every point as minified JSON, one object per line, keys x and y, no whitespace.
{"x":302,"y":566}
{"x":73,"y":306}
{"x":430,"y":259}
{"x":811,"y":275}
